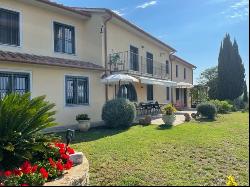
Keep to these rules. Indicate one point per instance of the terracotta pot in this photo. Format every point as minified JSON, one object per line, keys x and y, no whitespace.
{"x":168,"y":119}
{"x":83,"y":125}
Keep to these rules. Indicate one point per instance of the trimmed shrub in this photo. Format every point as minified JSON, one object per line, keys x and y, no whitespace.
{"x":194,"y":115}
{"x":223,"y":107}
{"x":118,"y":113}
{"x":207,"y":110}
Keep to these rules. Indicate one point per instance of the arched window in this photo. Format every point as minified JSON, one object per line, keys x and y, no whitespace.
{"x":127,"y":91}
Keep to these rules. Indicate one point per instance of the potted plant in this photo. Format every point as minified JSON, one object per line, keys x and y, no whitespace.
{"x":114,"y":59}
{"x":168,"y":114}
{"x":83,"y":122}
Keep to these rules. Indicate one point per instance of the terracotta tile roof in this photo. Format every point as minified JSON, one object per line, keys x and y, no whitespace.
{"x":54,"y":4}
{"x":46,"y":60}
{"x":174,"y":57}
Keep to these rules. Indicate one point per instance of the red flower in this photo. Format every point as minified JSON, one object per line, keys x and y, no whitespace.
{"x":52,"y":163}
{"x":44,"y":173}
{"x":60,"y":145}
{"x":62,"y":151}
{"x":26,"y":167}
{"x":17,"y":172}
{"x":70,"y":150}
{"x":65,"y":156}
{"x":59,"y":166}
{"x":24,"y":185}
{"x":68,"y":165}
{"x":34,"y":168}
{"x":7,"y":173}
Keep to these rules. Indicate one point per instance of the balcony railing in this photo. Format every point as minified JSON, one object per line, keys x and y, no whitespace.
{"x":134,"y":64}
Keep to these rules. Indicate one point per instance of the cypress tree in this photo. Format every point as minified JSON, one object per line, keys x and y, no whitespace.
{"x":245,"y":95}
{"x":231,"y":71}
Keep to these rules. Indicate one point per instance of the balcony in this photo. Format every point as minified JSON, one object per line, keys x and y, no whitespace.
{"x":132,"y":63}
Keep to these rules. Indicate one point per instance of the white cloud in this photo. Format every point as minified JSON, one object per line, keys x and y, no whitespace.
{"x":147,"y":4}
{"x":237,"y":10}
{"x":119,"y":12}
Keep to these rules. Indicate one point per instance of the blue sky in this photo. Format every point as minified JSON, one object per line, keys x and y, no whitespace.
{"x":194,"y":28}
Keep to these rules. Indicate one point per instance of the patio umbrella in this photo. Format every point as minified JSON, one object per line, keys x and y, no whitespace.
{"x":118,"y":78}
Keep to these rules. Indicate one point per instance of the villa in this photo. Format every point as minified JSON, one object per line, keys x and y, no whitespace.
{"x":65,"y":53}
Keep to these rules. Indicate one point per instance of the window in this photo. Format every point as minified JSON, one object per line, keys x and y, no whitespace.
{"x":14,"y":82}
{"x":127,"y":91}
{"x":150,"y":92}
{"x":167,"y":67}
{"x":167,"y":90}
{"x":149,"y":63}
{"x":134,"y":58}
{"x":176,"y":70}
{"x":9,"y":27}
{"x":77,"y":90}
{"x":177,"y":93}
{"x":184,"y":73}
{"x":64,"y":38}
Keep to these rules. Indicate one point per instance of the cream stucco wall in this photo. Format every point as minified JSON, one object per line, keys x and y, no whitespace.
{"x":180,"y":78}
{"x":37,"y":35}
{"x":50,"y":81}
{"x":119,"y":39}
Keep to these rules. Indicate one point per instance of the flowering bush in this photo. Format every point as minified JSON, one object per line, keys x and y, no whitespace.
{"x":169,"y":109}
{"x":231,"y":181}
{"x":37,"y":173}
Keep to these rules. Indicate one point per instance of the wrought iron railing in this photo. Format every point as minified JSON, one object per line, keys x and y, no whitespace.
{"x":134,"y":64}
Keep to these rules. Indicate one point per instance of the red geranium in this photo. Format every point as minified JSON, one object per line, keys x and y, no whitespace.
{"x":59,"y":165}
{"x":65,"y":156}
{"x":52,"y":163}
{"x":34,"y":168}
{"x":62,"y":151}
{"x":44,"y":173}
{"x":17,"y":172}
{"x":7,"y":173}
{"x":60,"y":145}
{"x":70,"y":150}
{"x":24,"y":185}
{"x":68,"y":165}
{"x":26,"y":167}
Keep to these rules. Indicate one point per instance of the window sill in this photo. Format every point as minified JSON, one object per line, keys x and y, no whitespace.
{"x":75,"y":105}
{"x":9,"y":45}
{"x":68,"y":54}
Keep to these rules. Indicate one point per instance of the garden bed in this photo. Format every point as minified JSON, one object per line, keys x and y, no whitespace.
{"x":76,"y":176}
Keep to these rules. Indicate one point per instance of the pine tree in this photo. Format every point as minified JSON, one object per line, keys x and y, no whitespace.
{"x":231,"y":71}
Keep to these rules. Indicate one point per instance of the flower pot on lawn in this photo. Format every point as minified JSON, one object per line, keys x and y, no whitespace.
{"x":168,"y":114}
{"x":83,"y":125}
{"x":168,"y":119}
{"x":83,"y":122}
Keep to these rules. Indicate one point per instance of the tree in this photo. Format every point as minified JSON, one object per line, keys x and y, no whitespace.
{"x":209,"y":78}
{"x":245,"y":94}
{"x":231,"y":72}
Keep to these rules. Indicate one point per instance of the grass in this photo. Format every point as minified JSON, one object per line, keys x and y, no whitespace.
{"x":195,"y":153}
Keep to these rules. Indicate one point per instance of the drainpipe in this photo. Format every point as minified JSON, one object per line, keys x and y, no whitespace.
{"x":171,"y":53}
{"x":106,"y":51}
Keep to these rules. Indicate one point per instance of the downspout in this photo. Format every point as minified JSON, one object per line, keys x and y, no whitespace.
{"x":106,"y":51}
{"x":171,"y":53}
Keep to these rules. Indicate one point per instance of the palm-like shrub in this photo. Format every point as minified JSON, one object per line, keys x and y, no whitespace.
{"x":21,"y":120}
{"x":118,"y":113}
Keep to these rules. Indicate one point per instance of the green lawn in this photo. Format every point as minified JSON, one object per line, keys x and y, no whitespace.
{"x":195,"y":153}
